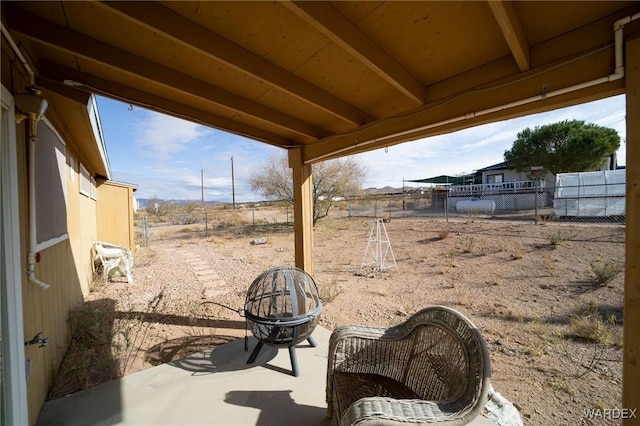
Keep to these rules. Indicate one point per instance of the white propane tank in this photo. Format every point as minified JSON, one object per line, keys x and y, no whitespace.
{"x":475,"y":205}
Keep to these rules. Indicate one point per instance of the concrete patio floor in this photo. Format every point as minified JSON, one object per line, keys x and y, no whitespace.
{"x":215,"y":387}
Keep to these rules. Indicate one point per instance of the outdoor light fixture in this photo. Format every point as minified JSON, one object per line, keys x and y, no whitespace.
{"x":30,"y":105}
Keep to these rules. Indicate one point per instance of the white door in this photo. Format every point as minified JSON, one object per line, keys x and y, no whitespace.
{"x":13,"y":392}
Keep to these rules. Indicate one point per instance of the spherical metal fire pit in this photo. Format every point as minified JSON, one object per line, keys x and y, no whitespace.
{"x":282,"y":308}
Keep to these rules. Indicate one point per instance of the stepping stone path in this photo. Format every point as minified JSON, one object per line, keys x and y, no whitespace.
{"x":212,"y":284}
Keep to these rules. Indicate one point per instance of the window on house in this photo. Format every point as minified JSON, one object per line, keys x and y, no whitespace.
{"x":497,"y":178}
{"x":85,"y":181}
{"x":50,"y":186}
{"x":72,"y":169}
{"x":93,"y":190}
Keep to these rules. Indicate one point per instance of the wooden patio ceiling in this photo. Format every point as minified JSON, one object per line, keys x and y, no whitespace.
{"x":333,"y":78}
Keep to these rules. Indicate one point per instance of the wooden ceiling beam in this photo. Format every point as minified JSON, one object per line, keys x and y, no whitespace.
{"x":69,"y":92}
{"x":52,"y":75}
{"x":57,"y":37}
{"x":335,"y":26}
{"x":158,"y":18}
{"x":511,"y":28}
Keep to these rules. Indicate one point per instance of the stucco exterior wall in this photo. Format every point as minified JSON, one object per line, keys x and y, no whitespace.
{"x":115,"y":214}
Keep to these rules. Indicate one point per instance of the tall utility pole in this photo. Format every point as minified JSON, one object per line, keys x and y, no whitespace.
{"x":202,"y":185}
{"x":233,"y":185}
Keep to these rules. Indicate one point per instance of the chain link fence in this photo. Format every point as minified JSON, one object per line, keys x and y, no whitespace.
{"x":185,"y":222}
{"x":584,"y":203}
{"x":578,"y":204}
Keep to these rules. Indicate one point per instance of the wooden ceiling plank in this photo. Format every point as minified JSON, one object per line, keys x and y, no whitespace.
{"x":45,"y":32}
{"x":52,"y":75}
{"x":509,"y":23}
{"x":467,"y":110}
{"x":172,"y":25}
{"x":326,"y":19}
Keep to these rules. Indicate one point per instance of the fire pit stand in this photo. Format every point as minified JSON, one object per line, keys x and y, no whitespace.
{"x":282,"y":309}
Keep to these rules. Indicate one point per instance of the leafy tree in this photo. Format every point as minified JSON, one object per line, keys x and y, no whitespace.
{"x":566,"y":146}
{"x":331,"y":180}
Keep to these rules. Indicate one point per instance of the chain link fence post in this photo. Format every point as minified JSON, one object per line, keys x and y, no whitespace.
{"x":145,"y":231}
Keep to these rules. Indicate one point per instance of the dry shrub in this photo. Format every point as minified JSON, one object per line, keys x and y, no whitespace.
{"x":605,"y":271}
{"x":463,"y":297}
{"x":517,"y":252}
{"x":549,"y":264}
{"x":560,"y":236}
{"x":498,"y":278}
{"x":452,"y":277}
{"x":103,"y":344}
{"x":563,"y":386}
{"x":450,"y":258}
{"x":443,"y":234}
{"x":588,"y":324}
{"x":467,"y":244}
{"x":231,"y":219}
{"x":330,"y":291}
{"x":145,"y":256}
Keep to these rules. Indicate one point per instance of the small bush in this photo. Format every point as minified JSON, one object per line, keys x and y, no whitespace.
{"x":102,"y":346}
{"x":517,"y":252}
{"x":450,"y":258}
{"x":467,"y":244}
{"x":605,"y":271}
{"x":484,"y":248}
{"x":443,"y":234}
{"x":563,"y":386}
{"x":560,"y":237}
{"x":145,"y":256}
{"x":329,"y":292}
{"x":588,"y":324}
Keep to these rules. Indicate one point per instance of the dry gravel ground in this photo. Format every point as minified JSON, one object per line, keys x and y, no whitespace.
{"x":553,"y":331}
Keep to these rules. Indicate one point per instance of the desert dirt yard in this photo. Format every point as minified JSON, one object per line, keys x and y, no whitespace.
{"x":553,"y":329}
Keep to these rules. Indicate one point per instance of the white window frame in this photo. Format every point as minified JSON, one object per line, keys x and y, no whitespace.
{"x":94,"y":190}
{"x":13,"y":358}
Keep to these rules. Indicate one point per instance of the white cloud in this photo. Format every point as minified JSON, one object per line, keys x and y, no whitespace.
{"x":162,"y":136}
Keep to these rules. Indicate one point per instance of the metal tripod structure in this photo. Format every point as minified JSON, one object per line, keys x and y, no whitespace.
{"x":379,"y":249}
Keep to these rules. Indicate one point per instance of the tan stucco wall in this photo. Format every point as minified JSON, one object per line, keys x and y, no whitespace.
{"x":115,"y":214}
{"x":81,"y":213}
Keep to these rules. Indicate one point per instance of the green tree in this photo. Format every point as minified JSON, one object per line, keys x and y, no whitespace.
{"x":566,"y":146}
{"x":332,"y":179}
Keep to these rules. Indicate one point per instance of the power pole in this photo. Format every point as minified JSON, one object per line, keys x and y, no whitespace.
{"x":233,"y":185}
{"x":202,"y":185}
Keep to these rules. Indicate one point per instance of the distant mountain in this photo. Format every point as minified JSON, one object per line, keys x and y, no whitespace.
{"x":144,"y":202}
{"x":384,"y":190}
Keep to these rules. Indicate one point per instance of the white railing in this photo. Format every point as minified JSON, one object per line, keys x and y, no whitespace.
{"x":520,"y":186}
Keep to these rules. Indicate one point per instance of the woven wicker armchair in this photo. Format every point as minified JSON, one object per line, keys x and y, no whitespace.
{"x":433,"y":368}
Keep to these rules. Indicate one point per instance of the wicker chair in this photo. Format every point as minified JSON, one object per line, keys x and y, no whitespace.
{"x":433,"y":368}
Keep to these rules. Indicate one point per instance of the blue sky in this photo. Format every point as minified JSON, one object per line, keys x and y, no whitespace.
{"x":164,"y":156}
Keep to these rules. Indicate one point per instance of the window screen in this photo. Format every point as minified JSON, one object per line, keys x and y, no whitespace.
{"x":50,"y":185}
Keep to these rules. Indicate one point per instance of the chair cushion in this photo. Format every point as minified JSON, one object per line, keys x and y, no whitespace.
{"x":350,"y":387}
